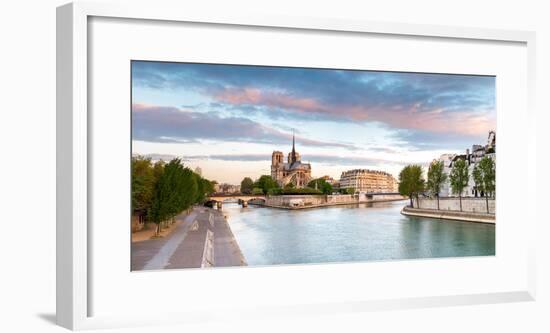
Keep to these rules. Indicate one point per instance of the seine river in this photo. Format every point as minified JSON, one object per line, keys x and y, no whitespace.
{"x":361,"y":232}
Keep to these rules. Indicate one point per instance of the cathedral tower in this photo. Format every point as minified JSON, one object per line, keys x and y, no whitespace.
{"x":277,"y":165}
{"x":293,"y":156}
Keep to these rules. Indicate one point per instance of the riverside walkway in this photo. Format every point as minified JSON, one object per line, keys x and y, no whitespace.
{"x":449,"y":215}
{"x":202,"y":239}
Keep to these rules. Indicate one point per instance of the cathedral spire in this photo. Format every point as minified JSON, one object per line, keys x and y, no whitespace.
{"x":293,"y":156}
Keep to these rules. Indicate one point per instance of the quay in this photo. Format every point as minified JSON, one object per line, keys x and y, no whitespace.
{"x":320,"y":205}
{"x":293,"y":202}
{"x":202,"y":238}
{"x":449,"y":215}
{"x":302,"y":201}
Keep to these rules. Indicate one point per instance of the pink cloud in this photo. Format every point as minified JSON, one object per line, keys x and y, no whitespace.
{"x":272,"y":99}
{"x":415,"y":117}
{"x":169,"y":124}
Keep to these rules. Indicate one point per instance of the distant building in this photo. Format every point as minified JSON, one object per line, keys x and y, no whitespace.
{"x":228,"y":188}
{"x":472,"y":158}
{"x":333,"y":182}
{"x":293,"y":172}
{"x":198,"y":171}
{"x":370,"y":181}
{"x":329,"y":180}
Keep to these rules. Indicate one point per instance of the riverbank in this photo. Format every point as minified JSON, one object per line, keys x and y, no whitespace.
{"x":329,"y":204}
{"x":202,"y":239}
{"x":449,"y":215}
{"x":474,"y":205}
{"x":308,"y":201}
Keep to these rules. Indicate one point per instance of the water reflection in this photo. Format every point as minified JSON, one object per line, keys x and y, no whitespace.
{"x":351,"y":233}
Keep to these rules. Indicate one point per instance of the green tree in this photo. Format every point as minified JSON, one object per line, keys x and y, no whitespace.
{"x":208,"y":186}
{"x":305,"y":190}
{"x":484,"y":178}
{"x":459,"y":178}
{"x":158,"y":169}
{"x":214,"y":183}
{"x":164,"y":190}
{"x":257,"y":191}
{"x":247,"y":185}
{"x":478,"y":180}
{"x":175,"y":190}
{"x":275,"y":191}
{"x":200,"y":195}
{"x":411,"y":182}
{"x":327,"y":188}
{"x":143,"y":182}
{"x":266,"y":183}
{"x":160,"y":205}
{"x":349,"y":190}
{"x":488,"y":168}
{"x":320,"y":184}
{"x":436,"y":179}
{"x":204,"y":188}
{"x":189,"y":188}
{"x":178,"y":195}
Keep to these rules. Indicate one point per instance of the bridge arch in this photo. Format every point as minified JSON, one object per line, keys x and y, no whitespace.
{"x":243,"y":199}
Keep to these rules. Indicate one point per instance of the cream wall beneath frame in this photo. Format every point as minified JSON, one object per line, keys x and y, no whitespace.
{"x":27,"y":168}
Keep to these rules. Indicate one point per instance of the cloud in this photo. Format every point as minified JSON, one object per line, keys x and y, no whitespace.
{"x":380,"y":149}
{"x":350,"y":160}
{"x":313,"y":158}
{"x":440,"y":103}
{"x":241,"y":157}
{"x":419,"y":140}
{"x":170,"y":124}
{"x":158,"y":157}
{"x":428,"y":116}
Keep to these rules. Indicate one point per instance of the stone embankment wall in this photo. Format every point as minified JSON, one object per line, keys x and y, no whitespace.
{"x":385,"y":197}
{"x":472,"y":205}
{"x":320,"y":200}
{"x":345,"y":198}
{"x":287,"y":200}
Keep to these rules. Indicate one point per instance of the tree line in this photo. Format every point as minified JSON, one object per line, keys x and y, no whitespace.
{"x":266,"y":185}
{"x":412,"y":182}
{"x":161,"y":190}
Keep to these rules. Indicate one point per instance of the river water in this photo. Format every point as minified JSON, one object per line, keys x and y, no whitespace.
{"x":364,"y":232}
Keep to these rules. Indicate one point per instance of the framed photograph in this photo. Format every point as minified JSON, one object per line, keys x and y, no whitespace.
{"x":210,"y":187}
{"x":272,"y":166}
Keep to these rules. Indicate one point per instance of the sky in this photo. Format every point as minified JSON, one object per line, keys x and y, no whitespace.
{"x":228,"y":119}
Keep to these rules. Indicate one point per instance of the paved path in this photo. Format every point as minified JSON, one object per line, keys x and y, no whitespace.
{"x":450,"y":215}
{"x":203,"y":239}
{"x":160,"y":259}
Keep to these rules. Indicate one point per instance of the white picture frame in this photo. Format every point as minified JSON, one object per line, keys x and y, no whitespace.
{"x":74,"y":285}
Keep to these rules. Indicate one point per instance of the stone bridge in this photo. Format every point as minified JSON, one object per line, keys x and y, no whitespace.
{"x":242,"y":199}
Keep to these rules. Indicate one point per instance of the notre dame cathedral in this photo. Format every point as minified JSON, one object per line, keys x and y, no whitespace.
{"x":293,"y":171}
